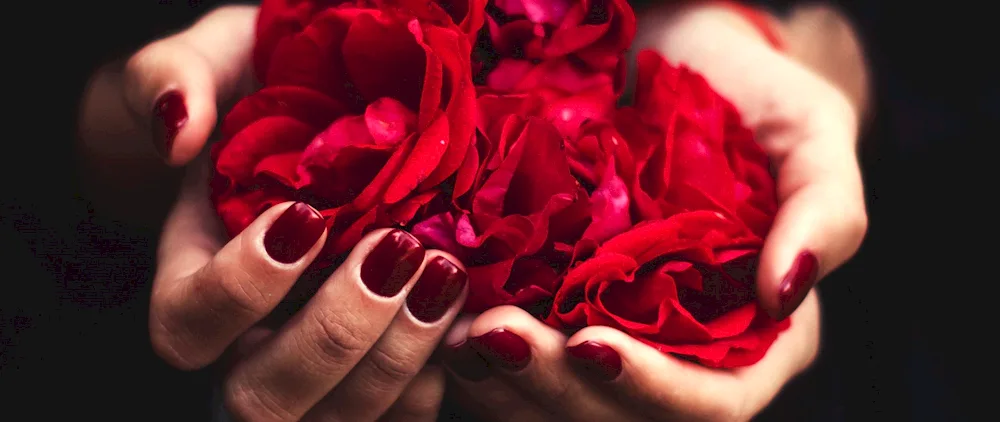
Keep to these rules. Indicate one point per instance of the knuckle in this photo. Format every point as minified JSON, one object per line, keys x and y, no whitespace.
{"x":245,"y":403}
{"x":138,"y":62}
{"x":562,"y":393}
{"x":394,"y":368}
{"x":167,"y":344}
{"x":858,"y":224}
{"x":140,"y":67}
{"x":418,"y":405}
{"x":339,"y":339}
{"x":239,"y":287}
{"x":730,"y":408}
{"x":851,"y":228}
{"x":421,"y":400}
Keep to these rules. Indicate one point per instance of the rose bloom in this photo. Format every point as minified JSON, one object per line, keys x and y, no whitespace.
{"x":683,"y":285}
{"x":681,"y":280}
{"x":567,"y":111}
{"x":278,"y":19}
{"x":526,"y":217}
{"x":691,"y":150}
{"x":559,"y":40}
{"x":367,"y":115}
{"x":596,"y":32}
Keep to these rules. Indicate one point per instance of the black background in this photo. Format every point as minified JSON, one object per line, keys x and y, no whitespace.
{"x":907,"y":329}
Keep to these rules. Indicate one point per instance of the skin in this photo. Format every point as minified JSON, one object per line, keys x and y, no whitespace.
{"x":803,"y":105}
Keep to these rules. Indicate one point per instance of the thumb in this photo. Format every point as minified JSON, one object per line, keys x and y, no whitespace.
{"x":820,"y":223}
{"x":176,"y":83}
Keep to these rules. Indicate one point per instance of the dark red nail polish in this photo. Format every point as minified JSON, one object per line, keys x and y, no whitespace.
{"x":391,"y":263}
{"x":600,"y":361}
{"x":466,"y":363}
{"x":169,"y":115}
{"x":503,"y":348}
{"x":797,"y":283}
{"x":294,"y":233}
{"x":436,"y":290}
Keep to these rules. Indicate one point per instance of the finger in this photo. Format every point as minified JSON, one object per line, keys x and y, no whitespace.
{"x":244,"y":345}
{"x":531,"y":357}
{"x":251,"y":341}
{"x":475,"y":390}
{"x":820,"y":223}
{"x":380,"y":377}
{"x":793,"y":351}
{"x":421,"y":401}
{"x":202,"y":300}
{"x":320,"y":345}
{"x":652,"y":383}
{"x":494,"y":400}
{"x":176,"y":83}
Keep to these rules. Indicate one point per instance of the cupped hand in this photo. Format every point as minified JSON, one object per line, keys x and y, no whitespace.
{"x":160,"y":105}
{"x":510,"y":367}
{"x":355,"y":352}
{"x":807,"y":124}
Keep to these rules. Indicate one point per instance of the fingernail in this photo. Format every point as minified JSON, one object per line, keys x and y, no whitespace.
{"x":600,"y":361}
{"x":169,"y":115}
{"x":466,"y":363}
{"x":294,"y":233}
{"x":797,"y":283}
{"x":436,"y":290}
{"x":503,"y":348}
{"x":391,"y":263}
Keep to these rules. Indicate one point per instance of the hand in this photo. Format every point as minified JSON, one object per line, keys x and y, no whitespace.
{"x":167,"y":94}
{"x":355,"y":352}
{"x":161,"y":106}
{"x":807,"y":126}
{"x":510,"y":367}
{"x":357,"y":347}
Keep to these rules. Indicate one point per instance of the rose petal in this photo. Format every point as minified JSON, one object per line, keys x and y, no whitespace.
{"x":610,"y":205}
{"x":382,"y":59}
{"x":304,"y":104}
{"x":237,"y":158}
{"x":389,"y":121}
{"x":425,"y":156}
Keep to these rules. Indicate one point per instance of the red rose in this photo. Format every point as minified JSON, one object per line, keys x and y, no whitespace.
{"x":683,"y":285}
{"x":597,"y":32}
{"x":278,"y":19}
{"x":691,"y":150}
{"x":568,"y":112}
{"x":364,"y":114}
{"x":522,"y":222}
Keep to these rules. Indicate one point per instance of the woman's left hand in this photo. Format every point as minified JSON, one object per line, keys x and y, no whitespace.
{"x":510,"y":366}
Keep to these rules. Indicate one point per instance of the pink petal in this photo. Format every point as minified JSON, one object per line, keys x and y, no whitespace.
{"x":389,"y":121}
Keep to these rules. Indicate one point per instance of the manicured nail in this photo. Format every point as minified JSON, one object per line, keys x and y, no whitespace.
{"x":600,"y":361}
{"x":169,"y":115}
{"x":466,"y":363}
{"x":294,"y":233}
{"x":391,"y":263}
{"x":797,"y":283}
{"x":503,"y":349}
{"x":436,"y":290}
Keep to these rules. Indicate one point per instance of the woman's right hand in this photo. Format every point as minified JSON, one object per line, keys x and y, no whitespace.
{"x":357,"y":350}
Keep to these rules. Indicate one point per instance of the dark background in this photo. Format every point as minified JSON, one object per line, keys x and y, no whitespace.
{"x":907,"y":328}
